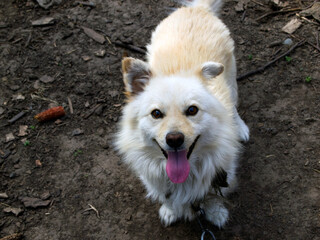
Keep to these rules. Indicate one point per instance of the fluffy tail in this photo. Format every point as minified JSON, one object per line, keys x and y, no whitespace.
{"x":212,"y":5}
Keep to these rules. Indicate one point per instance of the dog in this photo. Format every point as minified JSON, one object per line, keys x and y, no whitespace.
{"x":180,"y":128}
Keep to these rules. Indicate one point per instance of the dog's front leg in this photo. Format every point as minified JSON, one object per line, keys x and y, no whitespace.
{"x":215,"y":211}
{"x":170,"y":214}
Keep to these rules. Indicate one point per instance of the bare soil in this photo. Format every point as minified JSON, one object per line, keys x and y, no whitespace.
{"x":279,"y":173}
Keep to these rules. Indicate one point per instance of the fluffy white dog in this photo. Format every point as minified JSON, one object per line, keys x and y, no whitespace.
{"x":180,"y":128}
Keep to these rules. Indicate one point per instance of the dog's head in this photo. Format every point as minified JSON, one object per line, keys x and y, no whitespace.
{"x":177,"y":115}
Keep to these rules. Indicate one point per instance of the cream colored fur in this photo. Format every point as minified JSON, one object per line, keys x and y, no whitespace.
{"x":190,"y":62}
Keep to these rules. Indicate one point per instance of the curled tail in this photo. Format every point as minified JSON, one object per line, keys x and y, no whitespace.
{"x":212,"y":5}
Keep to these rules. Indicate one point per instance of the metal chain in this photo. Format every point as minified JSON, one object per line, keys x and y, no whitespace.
{"x":200,"y":216}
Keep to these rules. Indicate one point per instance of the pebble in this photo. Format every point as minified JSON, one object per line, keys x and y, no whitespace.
{"x":100,"y":131}
{"x":104,"y":144}
{"x":46,"y":195}
{"x":14,"y":87}
{"x":3,"y":195}
{"x":99,"y":110}
{"x":86,"y":58}
{"x":46,"y":79}
{"x":139,"y":214}
{"x":288,"y":41}
{"x":13,"y":175}
{"x":100,"y":53}
{"x":16,"y":166}
{"x":77,"y":132}
{"x":4,"y":154}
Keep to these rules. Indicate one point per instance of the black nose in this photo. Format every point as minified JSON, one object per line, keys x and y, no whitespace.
{"x":175,"y":139}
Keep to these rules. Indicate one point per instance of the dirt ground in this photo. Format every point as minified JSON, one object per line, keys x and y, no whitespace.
{"x":70,"y":164}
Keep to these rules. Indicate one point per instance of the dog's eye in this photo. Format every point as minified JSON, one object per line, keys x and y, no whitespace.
{"x":156,"y":114}
{"x":192,"y":110}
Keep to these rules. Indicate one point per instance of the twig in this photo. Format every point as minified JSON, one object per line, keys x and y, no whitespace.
{"x":88,"y":4}
{"x":15,"y":236}
{"x":91,"y":111}
{"x":34,"y":96}
{"x":311,"y":44}
{"x":256,"y":2}
{"x":17,"y":117}
{"x":28,"y":40}
{"x":70,"y":105}
{"x":271,"y":210}
{"x":307,"y":20}
{"x":130,"y":47}
{"x":261,"y":69}
{"x":278,"y":12}
{"x":6,"y":205}
{"x":92,"y":208}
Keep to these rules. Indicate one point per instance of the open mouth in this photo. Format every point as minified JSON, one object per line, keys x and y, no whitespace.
{"x":177,"y":165}
{"x":189,"y":151}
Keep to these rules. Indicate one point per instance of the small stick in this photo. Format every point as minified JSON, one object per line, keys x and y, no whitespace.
{"x":92,"y":208}
{"x":256,"y":2}
{"x":18,"y":40}
{"x":271,"y":209}
{"x":278,"y":12}
{"x":306,"y":19}
{"x":17,"y":117}
{"x":130,"y":47}
{"x":89,"y":4}
{"x":91,"y":111}
{"x":15,"y":236}
{"x":28,"y":40}
{"x":311,"y":44}
{"x":70,"y":105}
{"x":261,"y":69}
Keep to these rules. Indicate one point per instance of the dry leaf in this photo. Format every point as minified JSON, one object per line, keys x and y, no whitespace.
{"x":86,"y":58}
{"x":18,"y":96}
{"x":9,"y":137}
{"x":43,"y":22}
{"x":94,"y":35}
{"x":241,"y":5}
{"x":314,"y":11}
{"x":292,"y":26}
{"x":15,"y":211}
{"x":34,"y":202}
{"x":23,"y":130}
{"x":38,"y":163}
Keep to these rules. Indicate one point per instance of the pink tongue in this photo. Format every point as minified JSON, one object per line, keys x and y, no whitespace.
{"x":178,"y":166}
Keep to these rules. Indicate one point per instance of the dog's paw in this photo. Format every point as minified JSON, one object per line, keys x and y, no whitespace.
{"x":216,"y":213}
{"x":167,"y":215}
{"x":244,"y":131}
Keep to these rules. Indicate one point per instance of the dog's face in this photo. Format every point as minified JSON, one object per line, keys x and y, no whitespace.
{"x":175,"y":114}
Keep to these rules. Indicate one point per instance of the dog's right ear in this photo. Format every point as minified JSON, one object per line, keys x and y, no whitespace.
{"x":136,"y":75}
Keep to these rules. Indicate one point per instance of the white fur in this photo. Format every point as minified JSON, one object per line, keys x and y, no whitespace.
{"x":173,"y":86}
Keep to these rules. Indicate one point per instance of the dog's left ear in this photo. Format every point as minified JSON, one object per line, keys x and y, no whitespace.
{"x":211,"y":70}
{"x":136,"y":75}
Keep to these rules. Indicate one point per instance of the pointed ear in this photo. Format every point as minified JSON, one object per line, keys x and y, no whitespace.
{"x":211,"y":70}
{"x":136,"y":75}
